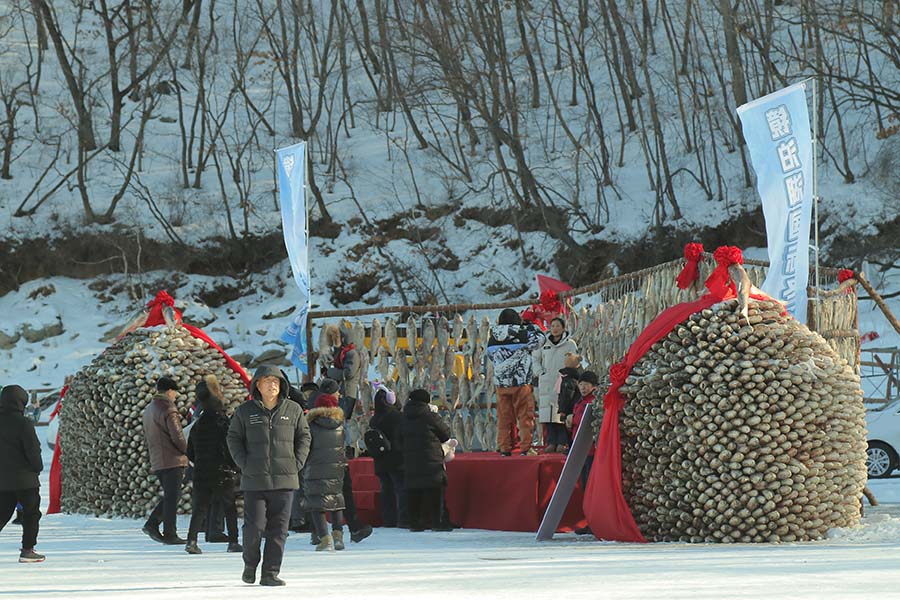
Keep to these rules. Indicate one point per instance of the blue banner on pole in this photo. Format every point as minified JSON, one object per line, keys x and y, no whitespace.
{"x":776,"y":128}
{"x":291,"y":166}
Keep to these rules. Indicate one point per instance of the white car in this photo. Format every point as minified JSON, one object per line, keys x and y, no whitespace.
{"x":883,"y":427}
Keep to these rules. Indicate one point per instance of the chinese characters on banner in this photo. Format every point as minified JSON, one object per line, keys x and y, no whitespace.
{"x":291,"y":167}
{"x":776,"y":128}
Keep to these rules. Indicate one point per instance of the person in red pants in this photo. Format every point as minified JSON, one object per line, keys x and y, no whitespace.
{"x":510,"y":347}
{"x":20,"y":465}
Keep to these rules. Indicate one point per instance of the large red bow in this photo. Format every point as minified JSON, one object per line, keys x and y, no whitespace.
{"x":691,"y":271}
{"x":718,"y":281}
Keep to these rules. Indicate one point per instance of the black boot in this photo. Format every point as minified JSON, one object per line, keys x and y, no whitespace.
{"x":152,"y":529}
{"x":192,"y":548}
{"x":271,"y":580}
{"x":249,"y":574}
{"x":361,"y":533}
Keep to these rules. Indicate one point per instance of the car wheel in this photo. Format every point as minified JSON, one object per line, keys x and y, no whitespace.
{"x":880,"y":461}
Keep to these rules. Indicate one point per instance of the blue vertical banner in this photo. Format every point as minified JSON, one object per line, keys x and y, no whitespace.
{"x":776,"y":128}
{"x":291,"y":167}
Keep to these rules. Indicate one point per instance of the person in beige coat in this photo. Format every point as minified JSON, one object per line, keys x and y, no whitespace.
{"x":549,"y":358}
{"x":168,"y":459}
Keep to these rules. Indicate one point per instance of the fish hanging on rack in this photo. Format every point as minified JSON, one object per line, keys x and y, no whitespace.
{"x":384,"y":366}
{"x":469,"y":429}
{"x":375,"y":337}
{"x":411,"y":336}
{"x":463,"y":385}
{"x":457,"y":427}
{"x":484,"y":332}
{"x":443,"y":333}
{"x":440,"y":385}
{"x":428,"y":336}
{"x":471,"y":334}
{"x":365,"y":397}
{"x":453,"y":393}
{"x":458,"y":327}
{"x":326,"y":354}
{"x":390,"y":336}
{"x":359,"y":336}
{"x":449,"y":361}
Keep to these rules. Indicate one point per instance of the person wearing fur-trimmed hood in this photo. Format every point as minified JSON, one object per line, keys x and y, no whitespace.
{"x":323,"y":475}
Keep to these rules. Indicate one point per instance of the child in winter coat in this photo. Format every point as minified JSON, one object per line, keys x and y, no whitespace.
{"x":587,"y":386}
{"x":567,"y":389}
{"x":323,"y":475}
{"x":214,"y":469}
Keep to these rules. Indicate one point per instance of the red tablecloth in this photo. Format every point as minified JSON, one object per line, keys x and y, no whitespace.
{"x":485,"y":491}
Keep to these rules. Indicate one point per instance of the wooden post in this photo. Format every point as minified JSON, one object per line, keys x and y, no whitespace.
{"x":878,"y":300}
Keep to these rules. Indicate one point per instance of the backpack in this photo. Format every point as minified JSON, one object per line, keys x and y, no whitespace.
{"x":377,"y":443}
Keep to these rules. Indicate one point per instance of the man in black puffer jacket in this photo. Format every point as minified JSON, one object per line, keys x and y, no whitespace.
{"x":423,"y":460}
{"x":214,"y":468}
{"x":269,"y":440}
{"x":20,"y":465}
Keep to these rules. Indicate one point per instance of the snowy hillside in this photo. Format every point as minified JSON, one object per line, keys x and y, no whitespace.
{"x":455,"y":153}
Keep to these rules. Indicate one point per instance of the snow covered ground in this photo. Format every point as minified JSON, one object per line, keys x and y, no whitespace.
{"x":91,"y":557}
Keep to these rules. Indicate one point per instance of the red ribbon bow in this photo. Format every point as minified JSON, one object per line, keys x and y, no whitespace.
{"x":691,"y":271}
{"x":845,"y":274}
{"x":162,"y":299}
{"x":718,"y":281}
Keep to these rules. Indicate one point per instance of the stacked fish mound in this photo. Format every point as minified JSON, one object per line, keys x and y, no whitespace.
{"x":742,"y":429}
{"x":106,"y":465}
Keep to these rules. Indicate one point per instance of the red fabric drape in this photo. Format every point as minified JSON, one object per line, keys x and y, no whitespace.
{"x":55,"y":467}
{"x":153,"y":319}
{"x":691,"y":271}
{"x":607,"y":512}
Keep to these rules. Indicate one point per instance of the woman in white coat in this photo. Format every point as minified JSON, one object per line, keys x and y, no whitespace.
{"x":549,"y":358}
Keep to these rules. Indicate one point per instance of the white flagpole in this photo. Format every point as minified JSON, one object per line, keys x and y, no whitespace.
{"x":815,"y":173}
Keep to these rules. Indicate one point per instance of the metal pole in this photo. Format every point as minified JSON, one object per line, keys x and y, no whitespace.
{"x":310,"y":362}
{"x":815,"y":173}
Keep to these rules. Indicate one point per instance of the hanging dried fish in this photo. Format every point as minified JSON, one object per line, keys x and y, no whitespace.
{"x":428,"y":336}
{"x":390,"y":336}
{"x":411,"y":338}
{"x":384,"y":367}
{"x":458,"y":328}
{"x":443,"y":332}
{"x":375,"y":337}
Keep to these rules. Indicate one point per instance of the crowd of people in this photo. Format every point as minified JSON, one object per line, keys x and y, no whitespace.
{"x":288,"y":447}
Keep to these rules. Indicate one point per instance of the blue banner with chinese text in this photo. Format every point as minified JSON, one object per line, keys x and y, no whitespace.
{"x":776,"y":128}
{"x":291,"y":167}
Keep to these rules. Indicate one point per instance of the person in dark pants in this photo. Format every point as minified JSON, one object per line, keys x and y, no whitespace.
{"x":389,"y":465}
{"x":324,"y":472}
{"x":269,"y":440}
{"x":20,"y":465}
{"x":423,"y":460}
{"x":214,"y":468}
{"x":168,"y":459}
{"x":298,"y":516}
{"x":359,"y":530}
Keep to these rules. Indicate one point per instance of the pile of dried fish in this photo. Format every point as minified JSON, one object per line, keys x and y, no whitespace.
{"x":742,"y":429}
{"x":105,"y":463}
